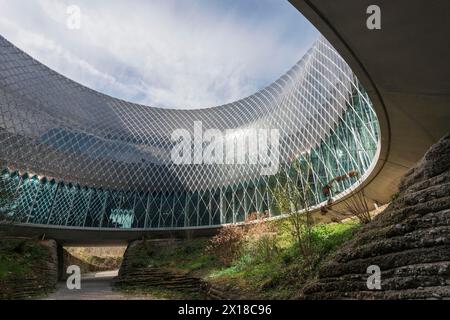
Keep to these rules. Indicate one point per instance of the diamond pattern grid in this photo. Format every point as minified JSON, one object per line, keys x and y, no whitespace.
{"x":75,"y":157}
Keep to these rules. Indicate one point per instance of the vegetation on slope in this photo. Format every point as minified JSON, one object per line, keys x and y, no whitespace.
{"x":279,"y":275}
{"x":264,"y":259}
{"x":267,"y":265}
{"x":18,"y":257}
{"x":186,"y":255}
{"x":27,"y":268}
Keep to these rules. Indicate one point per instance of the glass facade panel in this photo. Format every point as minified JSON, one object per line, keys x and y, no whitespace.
{"x":74,"y":157}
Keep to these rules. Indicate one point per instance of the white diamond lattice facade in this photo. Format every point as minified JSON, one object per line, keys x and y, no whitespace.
{"x":74,"y":157}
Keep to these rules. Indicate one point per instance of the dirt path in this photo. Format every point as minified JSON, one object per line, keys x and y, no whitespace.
{"x":96,"y":286}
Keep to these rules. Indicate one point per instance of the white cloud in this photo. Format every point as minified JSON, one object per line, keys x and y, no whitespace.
{"x":160,"y":53}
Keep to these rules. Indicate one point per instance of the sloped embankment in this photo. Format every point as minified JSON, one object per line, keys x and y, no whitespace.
{"x":139,"y":271}
{"x":168,"y":279}
{"x":28,"y":268}
{"x":409,"y":241}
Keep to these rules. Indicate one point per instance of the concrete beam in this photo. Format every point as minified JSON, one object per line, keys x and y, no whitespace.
{"x":69,"y":236}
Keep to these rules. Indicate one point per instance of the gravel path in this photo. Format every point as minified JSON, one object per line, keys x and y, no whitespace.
{"x":95,"y":286}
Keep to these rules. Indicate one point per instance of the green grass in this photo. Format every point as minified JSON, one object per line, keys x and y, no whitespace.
{"x":329,"y":236}
{"x":188,"y":255}
{"x":18,"y":257}
{"x":285,"y":273}
{"x":159,"y":293}
{"x":253,"y":276}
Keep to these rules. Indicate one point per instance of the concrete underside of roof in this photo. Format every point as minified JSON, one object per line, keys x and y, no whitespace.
{"x":404,"y":70}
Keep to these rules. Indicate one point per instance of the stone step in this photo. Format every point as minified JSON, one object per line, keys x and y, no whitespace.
{"x":138,"y":278}
{"x":433,"y":236}
{"x":429,"y":194}
{"x":334,"y":268}
{"x":409,"y":241}
{"x":429,"y":220}
{"x":392,"y":216}
{"x":215,"y":293}
{"x":427,"y":293}
{"x":146,"y":281}
{"x":423,"y":185}
{"x":358,"y":283}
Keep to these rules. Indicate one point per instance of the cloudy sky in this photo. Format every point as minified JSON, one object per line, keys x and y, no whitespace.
{"x":164,"y":53}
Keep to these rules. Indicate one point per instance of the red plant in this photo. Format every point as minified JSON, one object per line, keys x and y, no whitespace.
{"x":227,"y":245}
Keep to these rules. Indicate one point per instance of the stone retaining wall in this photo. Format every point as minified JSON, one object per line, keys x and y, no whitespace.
{"x":409,"y":241}
{"x":132,"y":276}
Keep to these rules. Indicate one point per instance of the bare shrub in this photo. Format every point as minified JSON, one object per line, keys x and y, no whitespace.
{"x":356,"y":204}
{"x":294,"y":200}
{"x":257,"y":237}
{"x":261,"y":237}
{"x":227,"y":245}
{"x":265,"y":247}
{"x":256,"y":225}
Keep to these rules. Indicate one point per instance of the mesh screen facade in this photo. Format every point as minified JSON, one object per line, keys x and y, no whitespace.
{"x":75,"y":157}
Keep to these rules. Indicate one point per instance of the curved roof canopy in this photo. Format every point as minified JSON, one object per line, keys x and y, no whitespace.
{"x":68,"y":132}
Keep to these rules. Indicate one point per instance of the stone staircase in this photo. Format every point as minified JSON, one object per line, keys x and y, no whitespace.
{"x":140,"y":277}
{"x":409,"y":241}
{"x":160,"y":278}
{"x":131,"y":276}
{"x":214,"y":292}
